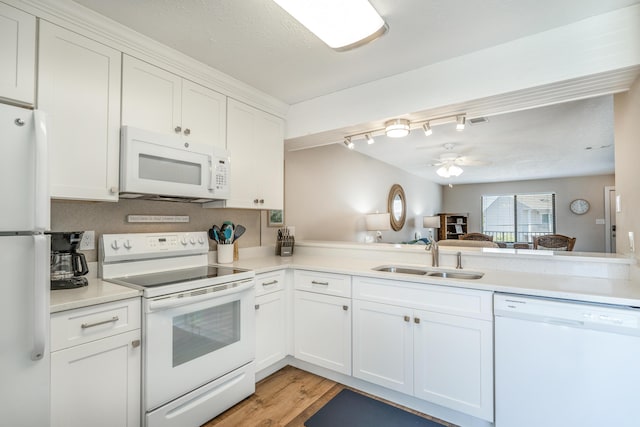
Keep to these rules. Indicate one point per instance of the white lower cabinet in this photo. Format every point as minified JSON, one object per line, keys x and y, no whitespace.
{"x":95,"y":366}
{"x":444,"y":358}
{"x":322,"y":322}
{"x":271,"y":317}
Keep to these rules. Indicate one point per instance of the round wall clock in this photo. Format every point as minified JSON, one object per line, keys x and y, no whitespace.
{"x":579,"y":206}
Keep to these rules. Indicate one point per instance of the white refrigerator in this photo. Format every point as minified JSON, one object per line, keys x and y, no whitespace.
{"x":24,"y":269}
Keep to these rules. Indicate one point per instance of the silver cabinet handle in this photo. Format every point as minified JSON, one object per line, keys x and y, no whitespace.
{"x":104,"y":322}
{"x":187,"y":131}
{"x":273,"y":282}
{"x":416,"y":320}
{"x":255,"y":201}
{"x":261,"y":201}
{"x":178,"y":129}
{"x":345,"y":307}
{"x":407,"y":318}
{"x":135,"y":343}
{"x":257,"y":306}
{"x":315,"y":282}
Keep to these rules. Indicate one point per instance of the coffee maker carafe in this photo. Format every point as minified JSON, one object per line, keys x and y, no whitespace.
{"x":67,"y":265}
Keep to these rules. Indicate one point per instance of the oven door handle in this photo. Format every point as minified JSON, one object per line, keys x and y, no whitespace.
{"x":195,"y":296}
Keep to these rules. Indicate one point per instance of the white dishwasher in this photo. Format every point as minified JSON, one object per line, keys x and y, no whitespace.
{"x":564,"y":363}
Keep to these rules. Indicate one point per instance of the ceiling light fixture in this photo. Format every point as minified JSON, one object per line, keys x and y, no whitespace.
{"x":342,"y":25}
{"x":350,"y":145}
{"x":460,"y":122}
{"x":447,"y":171}
{"x":369,"y":139}
{"x":427,"y":129}
{"x":397,"y":128}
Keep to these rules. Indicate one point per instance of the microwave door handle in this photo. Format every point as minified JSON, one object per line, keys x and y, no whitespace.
{"x":211,"y":173}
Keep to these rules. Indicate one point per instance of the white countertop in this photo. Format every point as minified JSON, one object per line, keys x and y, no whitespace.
{"x":597,"y":290}
{"x":97,"y":292}
{"x":579,"y":288}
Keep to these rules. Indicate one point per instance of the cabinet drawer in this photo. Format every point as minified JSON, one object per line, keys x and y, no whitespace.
{"x":323,"y":283}
{"x":269,"y":282}
{"x":444,"y":299}
{"x":74,"y":327}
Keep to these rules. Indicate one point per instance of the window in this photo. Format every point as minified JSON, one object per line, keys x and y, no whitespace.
{"x":518,"y":217}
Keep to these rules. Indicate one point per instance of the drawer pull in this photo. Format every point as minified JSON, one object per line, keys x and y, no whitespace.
{"x":407,"y":318}
{"x":416,"y":320}
{"x":273,"y":282}
{"x":104,"y":322}
{"x":135,"y":343}
{"x":315,"y":282}
{"x":345,"y":307}
{"x":257,"y":306}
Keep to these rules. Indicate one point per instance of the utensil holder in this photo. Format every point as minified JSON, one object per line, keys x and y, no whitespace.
{"x":225,"y":253}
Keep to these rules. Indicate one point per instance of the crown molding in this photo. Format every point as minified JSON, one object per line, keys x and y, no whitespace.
{"x":86,"y":22}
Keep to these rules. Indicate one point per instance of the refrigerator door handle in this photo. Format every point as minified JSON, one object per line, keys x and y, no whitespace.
{"x":40,"y":290}
{"x":42,"y":197}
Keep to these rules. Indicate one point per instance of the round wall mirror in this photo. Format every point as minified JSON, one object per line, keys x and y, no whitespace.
{"x":397,"y":207}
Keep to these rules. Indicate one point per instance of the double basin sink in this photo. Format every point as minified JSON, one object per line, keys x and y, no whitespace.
{"x":417,"y":271}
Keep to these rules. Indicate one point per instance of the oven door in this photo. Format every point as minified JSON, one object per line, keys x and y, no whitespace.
{"x":194,"y":337}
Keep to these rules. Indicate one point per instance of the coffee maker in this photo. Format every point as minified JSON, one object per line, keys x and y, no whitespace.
{"x":67,"y":265}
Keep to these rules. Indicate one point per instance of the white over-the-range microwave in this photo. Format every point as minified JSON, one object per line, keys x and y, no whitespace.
{"x":159,"y":166}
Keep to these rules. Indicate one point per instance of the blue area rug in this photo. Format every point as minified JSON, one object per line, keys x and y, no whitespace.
{"x":350,"y":409}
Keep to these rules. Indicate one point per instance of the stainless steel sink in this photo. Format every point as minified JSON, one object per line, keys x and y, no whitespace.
{"x":432,"y":273}
{"x":402,"y":270}
{"x":455,"y":275}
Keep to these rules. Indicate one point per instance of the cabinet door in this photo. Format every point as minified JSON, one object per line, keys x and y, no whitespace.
{"x":271,"y":334}
{"x":204,"y":114}
{"x":453,"y":362}
{"x":322,"y":331}
{"x":255,"y":141}
{"x":97,"y":384}
{"x":383,"y":345}
{"x":79,"y":89}
{"x":17,"y":55}
{"x":151,"y":97}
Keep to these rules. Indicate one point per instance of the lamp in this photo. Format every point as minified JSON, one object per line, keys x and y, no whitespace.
{"x":378,"y":222}
{"x":431,"y":222}
{"x":449,"y":170}
{"x":342,"y":25}
{"x":397,"y":128}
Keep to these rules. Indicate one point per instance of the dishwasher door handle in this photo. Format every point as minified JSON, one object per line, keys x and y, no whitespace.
{"x":562,"y":322}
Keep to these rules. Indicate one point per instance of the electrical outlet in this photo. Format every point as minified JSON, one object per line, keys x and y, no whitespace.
{"x":88,"y":242}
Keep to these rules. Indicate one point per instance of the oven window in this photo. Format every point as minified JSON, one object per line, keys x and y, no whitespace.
{"x":169,"y":170}
{"x":205,"y":331}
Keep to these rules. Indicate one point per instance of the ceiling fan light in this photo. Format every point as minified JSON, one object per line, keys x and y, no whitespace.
{"x":447,"y":171}
{"x":460,"y":122}
{"x":427,"y":129}
{"x":397,"y":128}
{"x":455,"y":170}
{"x":342,"y":25}
{"x":443,"y":171}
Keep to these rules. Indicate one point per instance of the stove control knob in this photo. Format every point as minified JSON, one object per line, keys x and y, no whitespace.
{"x":115,"y":245}
{"x":183,"y":241}
{"x":192,"y":240}
{"x":127,"y":244}
{"x":201,"y":240}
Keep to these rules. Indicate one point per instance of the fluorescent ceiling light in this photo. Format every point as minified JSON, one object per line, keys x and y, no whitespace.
{"x":341,"y":24}
{"x":397,"y":128}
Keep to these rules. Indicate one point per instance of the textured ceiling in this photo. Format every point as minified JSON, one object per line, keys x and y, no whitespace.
{"x":258,"y":43}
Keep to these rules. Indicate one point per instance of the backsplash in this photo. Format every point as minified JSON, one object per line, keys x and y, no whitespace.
{"x":106,"y":217}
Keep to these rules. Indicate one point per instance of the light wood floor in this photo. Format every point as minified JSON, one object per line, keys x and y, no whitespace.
{"x":285,"y":399}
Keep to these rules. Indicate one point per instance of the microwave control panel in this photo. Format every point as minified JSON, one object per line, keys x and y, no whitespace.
{"x":220,"y":176}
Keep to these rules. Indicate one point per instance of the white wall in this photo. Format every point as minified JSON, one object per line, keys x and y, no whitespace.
{"x":329,"y":189}
{"x":590,"y":236}
{"x":627,"y":148}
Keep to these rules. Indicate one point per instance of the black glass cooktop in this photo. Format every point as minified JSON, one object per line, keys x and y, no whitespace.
{"x":171,"y":277}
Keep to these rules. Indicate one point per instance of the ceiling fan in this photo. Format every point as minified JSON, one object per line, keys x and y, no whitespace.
{"x":449,"y":162}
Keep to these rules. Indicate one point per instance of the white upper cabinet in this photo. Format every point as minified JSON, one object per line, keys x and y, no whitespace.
{"x":157,"y":100}
{"x":255,"y":141}
{"x":17,"y":55}
{"x":79,"y":89}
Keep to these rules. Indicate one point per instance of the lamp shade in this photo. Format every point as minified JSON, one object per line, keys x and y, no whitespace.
{"x":378,"y":221}
{"x":431,"y":222}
